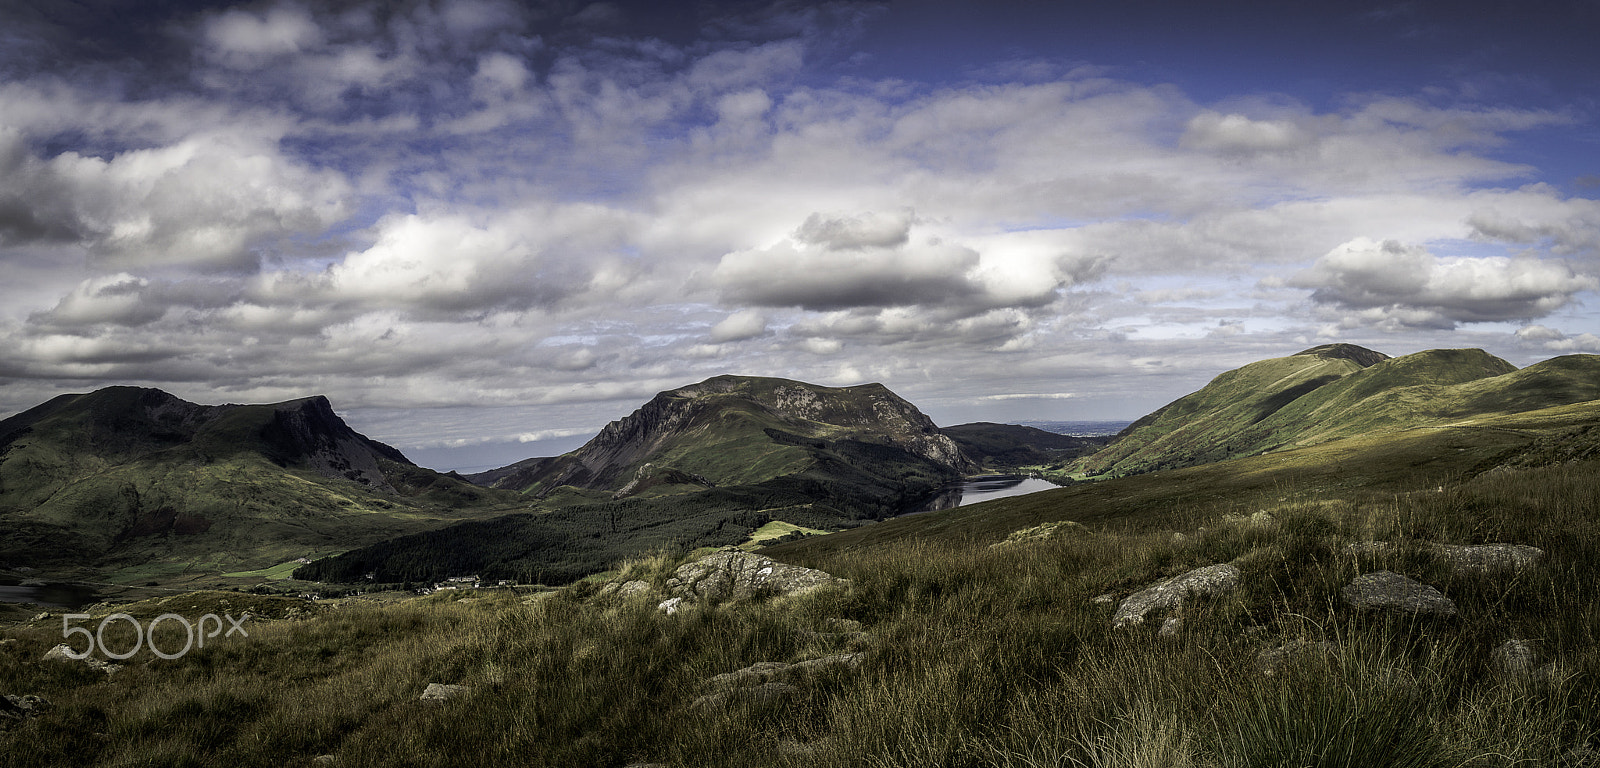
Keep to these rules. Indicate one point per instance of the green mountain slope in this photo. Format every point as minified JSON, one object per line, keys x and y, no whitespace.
{"x":139,"y":483}
{"x":703,"y":465}
{"x":735,"y":430}
{"x":1366,"y":468}
{"x":1220,"y":420}
{"x":1254,"y":410}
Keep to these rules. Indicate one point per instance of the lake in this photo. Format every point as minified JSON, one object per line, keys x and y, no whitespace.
{"x":985,"y":488}
{"x":70,"y":596}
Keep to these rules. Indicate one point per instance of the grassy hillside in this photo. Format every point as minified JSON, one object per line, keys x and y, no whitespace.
{"x":974,"y":655}
{"x":136,"y":485}
{"x":1310,"y":398}
{"x":1360,"y":468}
{"x":1211,"y":424}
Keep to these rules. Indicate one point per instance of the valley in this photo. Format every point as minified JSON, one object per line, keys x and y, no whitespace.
{"x":995,"y":633}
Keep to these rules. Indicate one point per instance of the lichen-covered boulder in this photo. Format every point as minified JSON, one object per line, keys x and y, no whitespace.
{"x":1168,"y":596}
{"x":1046,"y":532}
{"x":440,"y":692}
{"x":1389,"y":591}
{"x":733,"y":574}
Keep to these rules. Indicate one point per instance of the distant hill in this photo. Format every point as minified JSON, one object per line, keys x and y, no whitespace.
{"x":734,"y":430}
{"x":141,"y":482}
{"x":1008,"y":446}
{"x":1338,"y":391}
{"x":702,"y":465}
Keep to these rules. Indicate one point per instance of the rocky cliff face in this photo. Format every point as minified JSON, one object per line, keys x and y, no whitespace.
{"x":309,"y":432}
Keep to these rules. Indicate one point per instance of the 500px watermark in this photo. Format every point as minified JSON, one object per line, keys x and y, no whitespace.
{"x":195,"y":634}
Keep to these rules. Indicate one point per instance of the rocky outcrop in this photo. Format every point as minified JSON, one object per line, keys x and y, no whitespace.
{"x":1168,"y":597}
{"x":309,"y":432}
{"x":1046,"y":532}
{"x":1390,"y":591}
{"x":733,"y":574}
{"x":767,"y":682}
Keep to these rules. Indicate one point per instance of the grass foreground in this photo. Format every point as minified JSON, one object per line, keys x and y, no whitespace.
{"x":973,"y":655}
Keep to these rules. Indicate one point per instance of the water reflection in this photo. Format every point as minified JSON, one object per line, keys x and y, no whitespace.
{"x":985,"y":488}
{"x":72,"y":596}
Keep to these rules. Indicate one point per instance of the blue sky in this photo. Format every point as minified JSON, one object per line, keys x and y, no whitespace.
{"x":486,"y":228}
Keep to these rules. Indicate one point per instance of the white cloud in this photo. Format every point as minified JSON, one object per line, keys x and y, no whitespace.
{"x":242,"y":37}
{"x":739,"y":326}
{"x":1403,"y":285}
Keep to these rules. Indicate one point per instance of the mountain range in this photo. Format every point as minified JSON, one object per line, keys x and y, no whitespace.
{"x":136,"y":484}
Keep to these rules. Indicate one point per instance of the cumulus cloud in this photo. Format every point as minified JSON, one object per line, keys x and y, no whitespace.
{"x":833,"y":262}
{"x":1236,"y":134}
{"x":1552,"y":340}
{"x":203,"y":201}
{"x":1394,"y":283}
{"x":739,"y":326}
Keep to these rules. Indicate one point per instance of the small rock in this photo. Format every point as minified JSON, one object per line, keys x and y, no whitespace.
{"x":443,"y":692}
{"x":670,"y":605}
{"x":41,"y":617}
{"x":849,"y":661}
{"x":322,"y":760}
{"x":1275,"y":660}
{"x":1515,"y":659}
{"x":1169,"y":595}
{"x":755,"y":674}
{"x":1105,"y":599}
{"x":1389,"y":591}
{"x":1172,"y":626}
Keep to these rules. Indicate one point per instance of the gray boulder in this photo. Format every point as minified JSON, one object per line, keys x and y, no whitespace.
{"x":1273,"y":661}
{"x":440,"y":692}
{"x":63,"y":651}
{"x":1515,"y":659}
{"x":733,"y":574}
{"x":1168,"y":596}
{"x":1389,"y":591}
{"x":625,"y":590}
